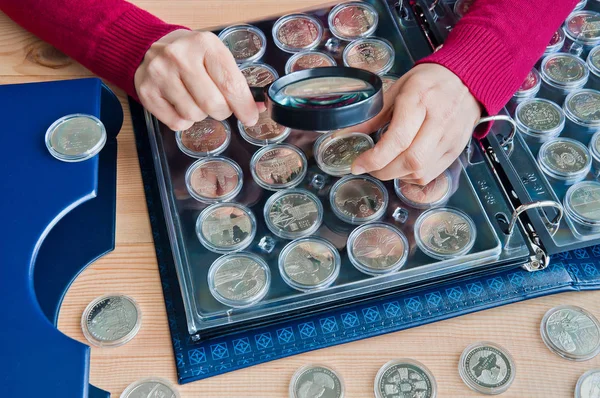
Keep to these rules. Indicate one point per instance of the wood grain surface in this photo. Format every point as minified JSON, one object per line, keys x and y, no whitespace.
{"x":131,"y":269}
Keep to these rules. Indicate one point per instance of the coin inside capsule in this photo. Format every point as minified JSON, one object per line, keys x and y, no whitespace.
{"x":211,"y":180}
{"x":353,"y":20}
{"x":247,"y":43}
{"x":582,"y":205}
{"x":266,"y":131}
{"x":539,"y":119}
{"x":316,"y":381}
{"x":337,"y":152}
{"x":436,"y":193}
{"x":444,"y":233}
{"x":308,"y":60}
{"x":405,"y":378}
{"x":297,"y":32}
{"x":278,"y":166}
{"x":487,"y":368}
{"x":75,"y":138}
{"x":373,"y":54}
{"x":564,"y":71}
{"x":258,"y":74}
{"x":205,"y":138}
{"x":565,"y":159}
{"x":358,"y":199}
{"x":226,"y":227}
{"x":111,"y":320}
{"x":377,"y":248}
{"x":293,"y":213}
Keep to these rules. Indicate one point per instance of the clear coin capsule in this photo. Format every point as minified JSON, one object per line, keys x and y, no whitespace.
{"x":434,"y":194}
{"x":310,"y":380}
{"x":556,"y":43}
{"x":373,"y":54}
{"x":335,"y":153}
{"x":76,"y":137}
{"x":353,"y":20}
{"x":539,"y":120}
{"x":582,"y":205}
{"x":212,"y":180}
{"x":405,"y":378}
{"x":111,"y":320}
{"x":562,"y":73}
{"x":565,"y":159}
{"x":278,"y":166}
{"x":487,"y":368}
{"x":444,"y":233}
{"x":265,"y":132}
{"x":247,"y":43}
{"x":582,"y":111}
{"x":226,"y":227}
{"x":293,"y":213}
{"x":377,"y":248}
{"x":297,"y":32}
{"x":358,"y":199}
{"x":208,"y":137}
{"x":308,"y":60}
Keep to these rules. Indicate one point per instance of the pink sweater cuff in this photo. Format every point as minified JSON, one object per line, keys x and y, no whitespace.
{"x":124,"y":44}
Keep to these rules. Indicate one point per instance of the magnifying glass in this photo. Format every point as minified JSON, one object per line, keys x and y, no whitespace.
{"x":322,"y":99}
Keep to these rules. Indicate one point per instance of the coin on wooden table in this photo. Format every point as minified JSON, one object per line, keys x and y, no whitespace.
{"x":75,"y":138}
{"x":152,"y":387}
{"x":258,"y":74}
{"x":111,"y":320}
{"x":571,"y":332}
{"x":487,"y":368}
{"x":316,"y":381}
{"x":405,"y":378}
{"x":588,"y":385}
{"x":297,"y":32}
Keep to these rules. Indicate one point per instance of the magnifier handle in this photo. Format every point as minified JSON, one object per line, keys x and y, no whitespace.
{"x":258,"y":93}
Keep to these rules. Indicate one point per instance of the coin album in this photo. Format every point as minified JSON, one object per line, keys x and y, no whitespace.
{"x":267,"y":223}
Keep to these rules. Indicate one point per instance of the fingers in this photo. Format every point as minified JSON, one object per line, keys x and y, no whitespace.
{"x":432,"y":173}
{"x":206,"y":95}
{"x":164,"y":111}
{"x":177,"y":94}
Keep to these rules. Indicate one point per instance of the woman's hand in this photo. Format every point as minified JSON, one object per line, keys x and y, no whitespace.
{"x":186,"y":76}
{"x":433,"y":115}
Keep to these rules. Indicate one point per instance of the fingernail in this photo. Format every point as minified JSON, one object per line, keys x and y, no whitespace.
{"x":357,"y":170}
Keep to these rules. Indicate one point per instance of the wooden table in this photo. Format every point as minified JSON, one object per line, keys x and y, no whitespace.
{"x":131,"y":269}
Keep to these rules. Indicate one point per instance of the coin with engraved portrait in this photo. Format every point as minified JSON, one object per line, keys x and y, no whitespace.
{"x":316,"y":381}
{"x":540,"y":117}
{"x":564,"y":70}
{"x":278,"y":166}
{"x":372,"y":54}
{"x":266,"y":131}
{"x":226,"y":227}
{"x":297,"y":32}
{"x":583,"y":26}
{"x":111,"y":320}
{"x":308,"y":60}
{"x":247,"y":43}
{"x":405,"y":378}
{"x":358,"y":199}
{"x":151,"y":387}
{"x":204,"y":138}
{"x":350,"y":21}
{"x":309,"y":263}
{"x":435,"y":193}
{"x":293,"y":213}
{"x":444,"y":233}
{"x":335,"y":155}
{"x":588,"y":385}
{"x":239,"y":279}
{"x":487,"y":368}
{"x":571,"y":332}
{"x":258,"y":74}
{"x":211,"y":180}
{"x":377,"y":248}
{"x":565,"y":159}
{"x":75,"y":138}
{"x":583,"y":107}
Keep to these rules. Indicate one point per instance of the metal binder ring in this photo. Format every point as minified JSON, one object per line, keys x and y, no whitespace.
{"x":536,"y":205}
{"x":506,"y":141}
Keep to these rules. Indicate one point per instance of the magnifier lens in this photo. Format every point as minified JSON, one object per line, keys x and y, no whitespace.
{"x":323,"y":92}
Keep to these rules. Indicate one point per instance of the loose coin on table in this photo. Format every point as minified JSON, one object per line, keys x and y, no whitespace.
{"x":293,"y":213}
{"x":309,"y":263}
{"x":266,"y":131}
{"x":377,"y":248}
{"x":405,"y":378}
{"x":239,"y":279}
{"x":487,"y":368}
{"x":247,"y":43}
{"x":75,"y":138}
{"x":358,"y":199}
{"x":258,"y":74}
{"x":444,"y":233}
{"x":336,"y":153}
{"x":565,"y":159}
{"x":297,"y":32}
{"x":226,"y":227}
{"x":278,"y":166}
{"x":588,"y":385}
{"x":353,"y":20}
{"x":436,"y":193}
{"x":312,"y":381}
{"x":150,"y":388}
{"x":372,"y":54}
{"x":205,"y":138}
{"x":111,"y":320}
{"x":211,"y":180}
{"x":308,"y":60}
{"x":571,"y":332}
{"x":582,"y":205}
{"x":583,"y":27}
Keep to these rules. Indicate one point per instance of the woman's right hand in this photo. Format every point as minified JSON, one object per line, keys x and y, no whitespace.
{"x":186,"y":76}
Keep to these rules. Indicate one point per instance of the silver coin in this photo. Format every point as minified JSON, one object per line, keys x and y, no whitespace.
{"x":405,"y":379}
{"x":316,"y":381}
{"x":294,"y":213}
{"x":150,"y":388}
{"x":588,"y":385}
{"x":226,"y":227}
{"x":258,"y":75}
{"x":585,"y":106}
{"x":540,"y":115}
{"x":564,"y":156}
{"x":571,"y":332}
{"x":239,"y":279}
{"x":583,"y":200}
{"x":75,"y":138}
{"x":594,"y":59}
{"x":278,"y":166}
{"x":111,"y":320}
{"x":487,"y":368}
{"x":372,"y":54}
{"x":309,"y":263}
{"x":358,"y":199}
{"x":353,"y":20}
{"x":445,"y":232}
{"x":338,"y":153}
{"x":245,"y":42}
{"x":584,"y":25}
{"x":377,"y":248}
{"x":564,"y":68}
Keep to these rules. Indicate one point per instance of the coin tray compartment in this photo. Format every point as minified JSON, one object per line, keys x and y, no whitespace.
{"x":204,"y":313}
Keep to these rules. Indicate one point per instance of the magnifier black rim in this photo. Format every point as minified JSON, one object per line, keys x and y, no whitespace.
{"x":328,"y":71}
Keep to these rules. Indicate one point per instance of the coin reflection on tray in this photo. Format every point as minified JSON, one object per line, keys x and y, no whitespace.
{"x":309,"y":263}
{"x":293,"y":213}
{"x":266,"y":131}
{"x":204,"y":138}
{"x":349,"y":21}
{"x":278,"y":166}
{"x":358,"y":199}
{"x":239,"y":279}
{"x":372,"y":54}
{"x":436,"y":193}
{"x":444,"y":233}
{"x":297,"y":32}
{"x":377,"y":248}
{"x":582,"y":204}
{"x":258,"y":74}
{"x":215,"y":179}
{"x":247,"y":43}
{"x":308,"y":60}
{"x":225,"y":227}
{"x":312,"y":381}
{"x":336,"y":153}
{"x":565,"y":159}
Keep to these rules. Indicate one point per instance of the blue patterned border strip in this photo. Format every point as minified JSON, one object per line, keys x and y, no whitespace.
{"x":575,"y":270}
